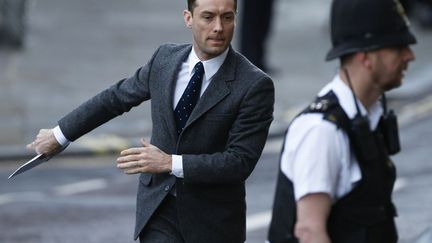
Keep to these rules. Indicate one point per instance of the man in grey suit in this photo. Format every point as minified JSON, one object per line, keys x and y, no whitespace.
{"x":193,"y":171}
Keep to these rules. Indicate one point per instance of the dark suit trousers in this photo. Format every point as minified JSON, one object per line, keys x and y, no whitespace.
{"x":163,"y":226}
{"x":255,"y":28}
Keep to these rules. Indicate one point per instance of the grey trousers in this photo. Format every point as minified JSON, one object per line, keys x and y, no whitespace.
{"x":163,"y":226}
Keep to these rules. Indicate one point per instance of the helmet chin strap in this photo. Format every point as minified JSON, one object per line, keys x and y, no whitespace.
{"x":345,"y":70}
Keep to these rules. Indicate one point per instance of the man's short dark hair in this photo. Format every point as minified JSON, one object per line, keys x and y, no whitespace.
{"x":192,"y":5}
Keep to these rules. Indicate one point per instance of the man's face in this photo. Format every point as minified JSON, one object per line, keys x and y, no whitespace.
{"x":389,"y":65}
{"x":212,"y":23}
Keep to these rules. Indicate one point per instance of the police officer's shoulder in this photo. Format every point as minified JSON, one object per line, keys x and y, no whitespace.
{"x":320,"y":105}
{"x":323,"y":103}
{"x":328,"y":105}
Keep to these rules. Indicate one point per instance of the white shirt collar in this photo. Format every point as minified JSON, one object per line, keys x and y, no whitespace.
{"x":345,"y":96}
{"x":211,"y":66}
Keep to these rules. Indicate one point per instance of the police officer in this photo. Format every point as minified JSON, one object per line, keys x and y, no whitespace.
{"x":336,"y":177}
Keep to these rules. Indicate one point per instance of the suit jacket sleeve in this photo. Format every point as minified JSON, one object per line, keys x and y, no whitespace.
{"x":112,"y":102}
{"x":246,"y":140}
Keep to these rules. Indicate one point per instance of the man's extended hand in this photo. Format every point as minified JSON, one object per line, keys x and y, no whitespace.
{"x":45,"y":143}
{"x":148,"y":158}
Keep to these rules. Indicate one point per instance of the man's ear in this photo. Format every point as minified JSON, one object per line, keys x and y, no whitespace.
{"x":187,"y":16}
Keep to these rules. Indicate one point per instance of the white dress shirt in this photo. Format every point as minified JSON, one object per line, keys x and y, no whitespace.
{"x":211,"y":66}
{"x":317,"y":156}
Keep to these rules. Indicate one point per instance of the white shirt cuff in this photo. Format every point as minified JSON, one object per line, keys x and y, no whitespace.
{"x":177,"y":166}
{"x":58,"y":134}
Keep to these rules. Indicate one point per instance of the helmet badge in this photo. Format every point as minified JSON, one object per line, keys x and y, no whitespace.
{"x":401,"y":11}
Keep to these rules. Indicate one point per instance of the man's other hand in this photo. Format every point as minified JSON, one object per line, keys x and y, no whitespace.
{"x":146,"y":159}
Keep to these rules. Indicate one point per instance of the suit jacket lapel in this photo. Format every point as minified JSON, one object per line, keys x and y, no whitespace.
{"x":170,"y":72}
{"x":217,"y":89}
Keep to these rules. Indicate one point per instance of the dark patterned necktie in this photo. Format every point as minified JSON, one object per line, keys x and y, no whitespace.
{"x":189,"y":98}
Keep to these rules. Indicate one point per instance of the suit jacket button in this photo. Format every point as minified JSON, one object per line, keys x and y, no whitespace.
{"x":167,"y":188}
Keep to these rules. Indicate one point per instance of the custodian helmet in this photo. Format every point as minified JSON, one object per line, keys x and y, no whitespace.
{"x":363,"y":25}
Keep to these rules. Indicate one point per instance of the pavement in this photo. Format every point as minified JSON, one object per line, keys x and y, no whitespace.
{"x":74,"y":49}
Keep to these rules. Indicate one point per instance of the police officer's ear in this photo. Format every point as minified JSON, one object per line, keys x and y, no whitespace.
{"x":365,"y":58}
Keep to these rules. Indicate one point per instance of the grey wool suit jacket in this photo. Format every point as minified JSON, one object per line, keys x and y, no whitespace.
{"x":220,"y":144}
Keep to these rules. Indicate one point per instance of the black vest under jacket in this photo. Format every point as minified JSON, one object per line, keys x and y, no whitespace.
{"x":364,"y":215}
